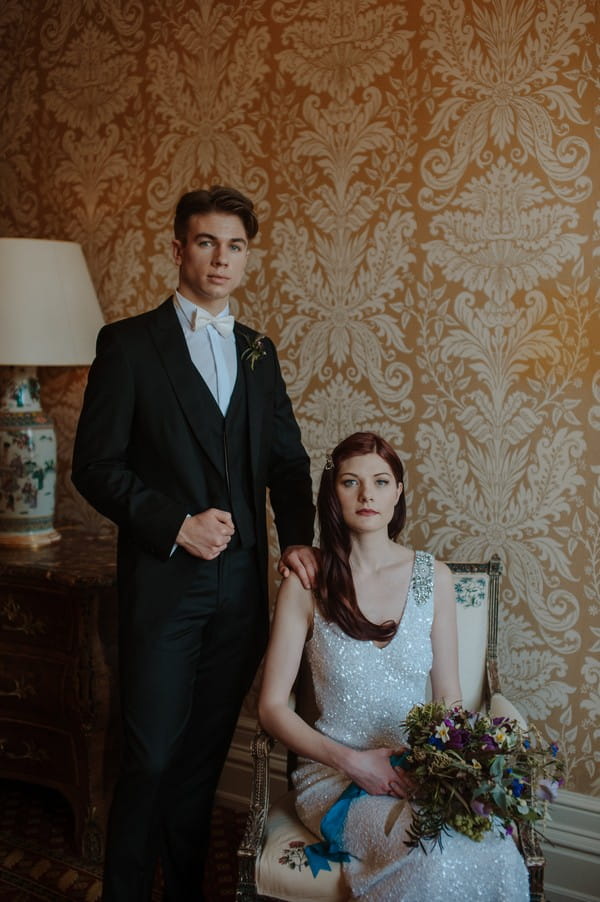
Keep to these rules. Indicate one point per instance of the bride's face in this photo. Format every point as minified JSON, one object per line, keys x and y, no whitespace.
{"x":368,"y":492}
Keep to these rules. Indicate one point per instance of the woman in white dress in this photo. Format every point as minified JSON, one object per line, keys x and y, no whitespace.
{"x":379,"y":622}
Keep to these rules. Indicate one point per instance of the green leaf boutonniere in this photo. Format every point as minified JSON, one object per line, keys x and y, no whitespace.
{"x":255,"y":350}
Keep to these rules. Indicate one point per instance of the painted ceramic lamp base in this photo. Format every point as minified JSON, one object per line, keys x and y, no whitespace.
{"x":27,"y":462}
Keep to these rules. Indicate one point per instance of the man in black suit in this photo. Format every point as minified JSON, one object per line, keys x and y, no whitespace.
{"x":185,"y":423}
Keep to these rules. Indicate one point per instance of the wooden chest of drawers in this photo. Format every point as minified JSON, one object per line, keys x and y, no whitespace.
{"x":58,"y":658}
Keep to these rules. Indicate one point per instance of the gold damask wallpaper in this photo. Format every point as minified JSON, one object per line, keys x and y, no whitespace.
{"x":427,"y":265}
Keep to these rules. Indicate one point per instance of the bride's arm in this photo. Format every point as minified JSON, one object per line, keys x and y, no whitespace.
{"x":371,"y":768}
{"x":292,"y":621}
{"x":445,"y":681}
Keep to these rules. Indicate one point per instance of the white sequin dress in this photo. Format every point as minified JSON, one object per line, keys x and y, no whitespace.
{"x":363,"y":693}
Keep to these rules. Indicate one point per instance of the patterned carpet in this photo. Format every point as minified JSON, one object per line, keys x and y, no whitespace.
{"x":37,"y":860}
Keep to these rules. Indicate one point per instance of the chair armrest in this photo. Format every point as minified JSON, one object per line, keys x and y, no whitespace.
{"x":252,"y":840}
{"x":527,"y":836}
{"x":533,"y":857}
{"x":500,"y":706}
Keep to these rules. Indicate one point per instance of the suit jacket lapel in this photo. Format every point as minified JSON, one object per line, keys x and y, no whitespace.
{"x":255,"y":391}
{"x":196,"y":400}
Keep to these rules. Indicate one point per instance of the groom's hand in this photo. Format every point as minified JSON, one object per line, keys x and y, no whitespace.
{"x":207,"y":534}
{"x":303,"y":561}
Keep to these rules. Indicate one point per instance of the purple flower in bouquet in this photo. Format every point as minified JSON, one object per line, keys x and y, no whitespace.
{"x":547,"y":790}
{"x":458,"y":739}
{"x":481,"y":809}
{"x":488,"y":743}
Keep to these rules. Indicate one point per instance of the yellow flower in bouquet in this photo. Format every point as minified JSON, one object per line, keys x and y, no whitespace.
{"x":475,"y":774}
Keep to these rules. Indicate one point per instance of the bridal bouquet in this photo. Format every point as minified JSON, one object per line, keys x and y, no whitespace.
{"x":474,"y":774}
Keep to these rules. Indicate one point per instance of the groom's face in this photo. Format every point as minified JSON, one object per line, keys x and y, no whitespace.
{"x":212,"y":260}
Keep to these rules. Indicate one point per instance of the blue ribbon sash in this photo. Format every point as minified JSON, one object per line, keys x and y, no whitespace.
{"x":319,"y":854}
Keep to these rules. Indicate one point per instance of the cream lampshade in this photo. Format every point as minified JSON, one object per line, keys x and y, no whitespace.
{"x":49,"y":316}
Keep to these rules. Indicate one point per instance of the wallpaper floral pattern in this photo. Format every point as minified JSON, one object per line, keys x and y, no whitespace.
{"x":427,"y":265}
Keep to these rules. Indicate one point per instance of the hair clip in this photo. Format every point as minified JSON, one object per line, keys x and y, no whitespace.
{"x":328,"y":462}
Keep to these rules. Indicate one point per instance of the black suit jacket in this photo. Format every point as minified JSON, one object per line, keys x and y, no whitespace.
{"x":146,"y":454}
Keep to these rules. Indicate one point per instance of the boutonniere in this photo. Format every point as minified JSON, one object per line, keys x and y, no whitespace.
{"x":255,"y":350}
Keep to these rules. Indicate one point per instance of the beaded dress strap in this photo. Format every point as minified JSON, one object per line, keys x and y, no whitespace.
{"x":422,"y":581}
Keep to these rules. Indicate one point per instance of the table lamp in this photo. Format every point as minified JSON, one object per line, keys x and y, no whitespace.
{"x":49,"y":316}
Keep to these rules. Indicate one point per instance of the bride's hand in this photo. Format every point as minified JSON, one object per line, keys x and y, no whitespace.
{"x":405,"y":785}
{"x":372,"y":771}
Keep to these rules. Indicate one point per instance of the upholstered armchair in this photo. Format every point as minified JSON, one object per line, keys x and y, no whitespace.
{"x":271,"y":860}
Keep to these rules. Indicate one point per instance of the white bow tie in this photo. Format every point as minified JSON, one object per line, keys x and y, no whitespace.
{"x":223,"y":324}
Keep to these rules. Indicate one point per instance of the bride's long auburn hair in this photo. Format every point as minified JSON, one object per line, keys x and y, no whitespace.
{"x":336,"y":595}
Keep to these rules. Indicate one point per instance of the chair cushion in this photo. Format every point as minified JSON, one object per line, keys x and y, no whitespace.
{"x":472,"y":621}
{"x":282,"y":870}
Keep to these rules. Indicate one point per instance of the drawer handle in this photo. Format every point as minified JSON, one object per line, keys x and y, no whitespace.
{"x":15,"y":619}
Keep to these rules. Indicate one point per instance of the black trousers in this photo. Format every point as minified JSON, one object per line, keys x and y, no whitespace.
{"x":182,"y":685}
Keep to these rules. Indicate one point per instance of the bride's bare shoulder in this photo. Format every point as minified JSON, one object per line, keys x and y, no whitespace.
{"x":402,"y":562}
{"x":442,"y":571}
{"x":404,"y":555}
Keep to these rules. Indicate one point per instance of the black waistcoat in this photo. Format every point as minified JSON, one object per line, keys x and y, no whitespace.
{"x":236,"y":451}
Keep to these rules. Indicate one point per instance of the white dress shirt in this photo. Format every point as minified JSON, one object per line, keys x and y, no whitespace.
{"x":213,"y":355}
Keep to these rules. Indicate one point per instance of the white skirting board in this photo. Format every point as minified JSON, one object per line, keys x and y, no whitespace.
{"x":572,"y":849}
